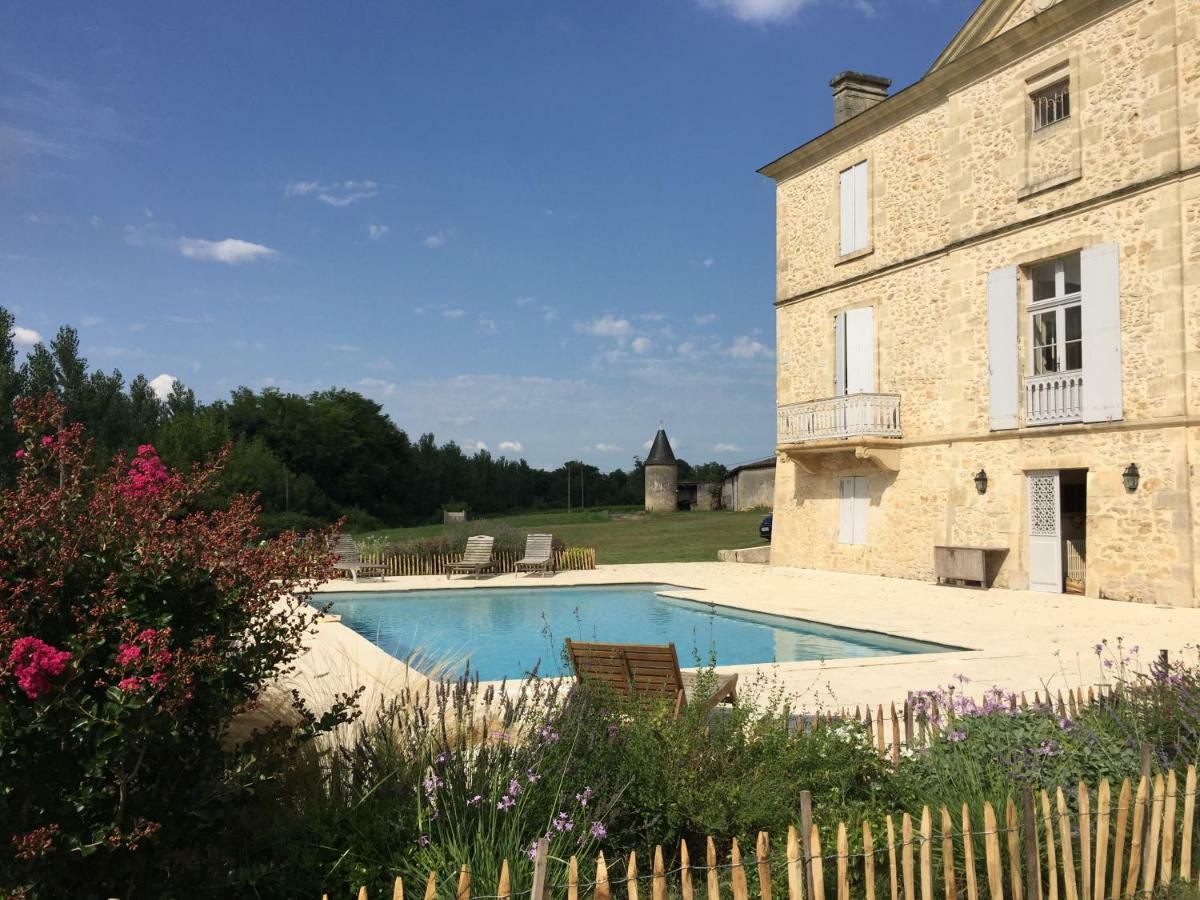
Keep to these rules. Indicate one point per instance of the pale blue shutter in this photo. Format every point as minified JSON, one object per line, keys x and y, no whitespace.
{"x":861,"y":217}
{"x":839,"y":354}
{"x":846,"y":511}
{"x":1004,"y":381}
{"x":846,"y":194}
{"x":1100,"y":280}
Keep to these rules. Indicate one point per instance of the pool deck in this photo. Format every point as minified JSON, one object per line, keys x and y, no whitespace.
{"x":1019,"y":640}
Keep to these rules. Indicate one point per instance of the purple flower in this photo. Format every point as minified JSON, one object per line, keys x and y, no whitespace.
{"x":531,"y":851}
{"x":956,"y":736}
{"x":612,"y":730}
{"x":532,"y":777}
{"x":1108,"y":664}
{"x":441,"y":757}
{"x":431,"y":784}
{"x":1099,"y":648}
{"x":562,"y":822}
{"x":549,"y":735}
{"x":1047,"y":748}
{"x":423,"y":841}
{"x":584,"y":796}
{"x":514,"y":787}
{"x":476,"y":800}
{"x":1064,"y":723}
{"x":598,"y":831}
{"x":506,"y":803}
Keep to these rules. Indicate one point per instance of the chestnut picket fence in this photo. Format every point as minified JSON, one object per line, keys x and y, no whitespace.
{"x":504,"y":561}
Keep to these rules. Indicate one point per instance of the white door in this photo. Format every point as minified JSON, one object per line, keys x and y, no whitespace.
{"x":1045,"y":533}
{"x":852,"y":510}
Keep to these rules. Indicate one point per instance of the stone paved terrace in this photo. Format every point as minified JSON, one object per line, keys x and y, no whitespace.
{"x":1021,"y":640}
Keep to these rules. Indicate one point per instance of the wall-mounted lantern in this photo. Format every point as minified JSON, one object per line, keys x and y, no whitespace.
{"x":981,"y":480}
{"x":1131,"y":476}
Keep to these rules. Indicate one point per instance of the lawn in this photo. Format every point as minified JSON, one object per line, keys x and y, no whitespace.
{"x":624,"y":537}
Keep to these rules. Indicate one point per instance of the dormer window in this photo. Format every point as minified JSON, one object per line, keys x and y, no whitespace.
{"x":1051,"y":104}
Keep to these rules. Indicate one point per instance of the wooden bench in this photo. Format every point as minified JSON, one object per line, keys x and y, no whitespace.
{"x":963,"y":565}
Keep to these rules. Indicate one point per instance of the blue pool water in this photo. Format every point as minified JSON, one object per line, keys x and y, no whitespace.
{"x":505,"y":632}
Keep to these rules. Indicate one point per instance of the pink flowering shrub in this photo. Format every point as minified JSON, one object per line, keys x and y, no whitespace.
{"x":136,"y":623}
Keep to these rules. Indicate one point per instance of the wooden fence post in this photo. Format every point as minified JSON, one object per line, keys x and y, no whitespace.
{"x":949,"y":889}
{"x":714,"y":884}
{"x":601,"y":891}
{"x":685,"y":872}
{"x":868,"y":861}
{"x":658,"y":878}
{"x":762,"y":853}
{"x":431,"y":887}
{"x":1033,"y":867}
{"x":463,"y":891}
{"x":969,"y":855}
{"x":540,"y":853}
{"x":737,"y":873}
{"x":1014,"y":850}
{"x":806,"y":827}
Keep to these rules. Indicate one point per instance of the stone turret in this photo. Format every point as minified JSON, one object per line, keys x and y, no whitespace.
{"x":662,"y":475}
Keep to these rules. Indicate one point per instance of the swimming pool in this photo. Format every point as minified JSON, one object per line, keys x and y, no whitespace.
{"x":505,"y":632}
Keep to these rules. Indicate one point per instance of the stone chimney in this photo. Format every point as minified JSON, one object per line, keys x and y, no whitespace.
{"x":854,"y":92}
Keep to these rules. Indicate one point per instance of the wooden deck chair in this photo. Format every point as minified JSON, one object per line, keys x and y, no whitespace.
{"x":645,"y":672}
{"x":349,"y":560}
{"x":476,"y":558}
{"x":539,"y":554}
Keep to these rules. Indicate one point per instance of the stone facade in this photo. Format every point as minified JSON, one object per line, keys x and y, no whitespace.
{"x":749,"y":487}
{"x":662,"y":491}
{"x":961,"y":185}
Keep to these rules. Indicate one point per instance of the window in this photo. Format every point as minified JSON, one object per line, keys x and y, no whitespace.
{"x":1056,"y":317}
{"x":852,"y":510}
{"x":853,"y":200}
{"x":1051,"y":104}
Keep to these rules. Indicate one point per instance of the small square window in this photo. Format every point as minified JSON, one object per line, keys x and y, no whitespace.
{"x":1051,"y":104}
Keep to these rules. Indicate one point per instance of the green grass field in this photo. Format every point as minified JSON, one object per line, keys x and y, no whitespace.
{"x":625,"y":537}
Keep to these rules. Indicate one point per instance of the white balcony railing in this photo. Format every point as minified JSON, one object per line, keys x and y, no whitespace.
{"x":1053,"y":399}
{"x":855,"y":415}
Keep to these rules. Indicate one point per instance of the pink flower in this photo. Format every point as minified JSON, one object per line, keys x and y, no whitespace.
{"x":146,"y":635}
{"x":35,"y":663}
{"x":158,"y":680}
{"x":20,"y":454}
{"x":47,"y":440}
{"x":146,"y":474}
{"x":128,"y":654}
{"x":130,"y":685}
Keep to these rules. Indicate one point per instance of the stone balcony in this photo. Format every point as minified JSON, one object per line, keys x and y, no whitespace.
{"x":861,"y":425}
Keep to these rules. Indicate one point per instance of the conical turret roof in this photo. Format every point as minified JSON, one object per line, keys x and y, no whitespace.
{"x":660,"y":451}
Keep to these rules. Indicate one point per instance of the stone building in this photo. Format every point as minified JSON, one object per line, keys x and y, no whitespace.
{"x":750,"y":485}
{"x":662,"y":475}
{"x":988,"y":308}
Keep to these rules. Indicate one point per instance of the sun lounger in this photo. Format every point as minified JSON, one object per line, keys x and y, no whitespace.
{"x":645,"y":671}
{"x":477,"y":557}
{"x":539,"y":554}
{"x":349,"y":560}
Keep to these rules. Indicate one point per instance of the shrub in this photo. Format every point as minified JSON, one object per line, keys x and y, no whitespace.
{"x":134,"y":627}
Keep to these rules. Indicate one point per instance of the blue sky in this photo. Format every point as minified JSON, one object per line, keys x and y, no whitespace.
{"x":534,"y":226}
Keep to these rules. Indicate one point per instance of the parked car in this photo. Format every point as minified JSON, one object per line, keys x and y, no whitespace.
{"x":764,"y":529}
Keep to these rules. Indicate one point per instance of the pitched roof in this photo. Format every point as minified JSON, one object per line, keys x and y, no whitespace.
{"x":985,"y":23}
{"x":660,"y":451}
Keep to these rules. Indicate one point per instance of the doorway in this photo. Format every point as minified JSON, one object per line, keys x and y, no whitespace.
{"x":1057,"y":530}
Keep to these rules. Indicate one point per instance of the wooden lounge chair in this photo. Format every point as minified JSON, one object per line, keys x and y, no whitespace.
{"x":645,"y":671}
{"x":539,"y":554}
{"x":349,"y":559}
{"x":476,"y":558}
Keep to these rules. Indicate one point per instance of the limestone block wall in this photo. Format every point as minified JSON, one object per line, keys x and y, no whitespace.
{"x":661,"y":488}
{"x":1139,"y":545}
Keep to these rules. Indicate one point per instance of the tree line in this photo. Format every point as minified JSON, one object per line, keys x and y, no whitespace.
{"x":311,"y":459}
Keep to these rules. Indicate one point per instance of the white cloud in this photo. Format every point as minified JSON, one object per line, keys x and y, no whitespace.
{"x":473,"y":446}
{"x":708,"y":263}
{"x":376,"y":231}
{"x":606,"y":448}
{"x":95,"y":221}
{"x":640,"y":344}
{"x":39,"y":218}
{"x":453,"y":312}
{"x":759,"y":11}
{"x":378,"y":385}
{"x":486,"y":326}
{"x":162,"y":384}
{"x":511,"y":447}
{"x":607,"y":326}
{"x":523,"y":301}
{"x":435,"y":240}
{"x":652,"y":317}
{"x":746,"y":347}
{"x":230,"y":251}
{"x":25,"y":337}
{"x":726,"y":448}
{"x":90,"y":321}
{"x":381,"y":364}
{"x":335,"y":193}
{"x":549,"y":314}
{"x":347,"y":348}
{"x":706,"y":319}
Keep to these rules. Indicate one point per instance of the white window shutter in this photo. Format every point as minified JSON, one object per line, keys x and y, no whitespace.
{"x":1100,"y":280}
{"x":846,"y":200}
{"x":861,"y":217}
{"x":846,"y":511}
{"x":860,"y":510}
{"x":860,"y":350}
{"x":1004,"y":382}
{"x":839,"y":354}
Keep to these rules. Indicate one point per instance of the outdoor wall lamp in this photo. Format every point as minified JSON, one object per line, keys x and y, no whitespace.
{"x":981,"y":481}
{"x":1131,"y":476}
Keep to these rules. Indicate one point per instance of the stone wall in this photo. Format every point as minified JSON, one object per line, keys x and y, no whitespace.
{"x":755,"y":489}
{"x":661,"y":488}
